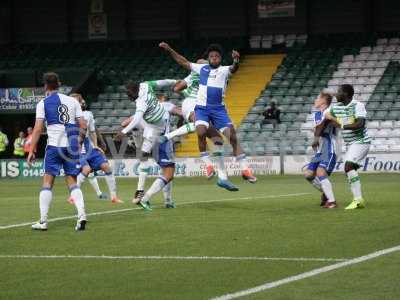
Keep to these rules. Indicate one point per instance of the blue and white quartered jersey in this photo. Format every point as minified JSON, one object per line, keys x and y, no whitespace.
{"x":212,"y":85}
{"x":328,"y":140}
{"x":60,"y":113}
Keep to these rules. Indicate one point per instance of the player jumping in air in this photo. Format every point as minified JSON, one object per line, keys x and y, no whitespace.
{"x":350,"y":115}
{"x":149,"y":115}
{"x":210,"y":108}
{"x":324,"y":161}
{"x":93,"y":158}
{"x":164,"y":157}
{"x":189,"y":87}
{"x":66,"y":128}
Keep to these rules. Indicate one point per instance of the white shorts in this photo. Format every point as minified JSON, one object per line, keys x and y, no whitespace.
{"x":188,"y":106}
{"x":151,"y":133}
{"x":356,"y":153}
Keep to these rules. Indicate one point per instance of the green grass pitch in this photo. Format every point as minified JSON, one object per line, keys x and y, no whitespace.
{"x":279,"y":217}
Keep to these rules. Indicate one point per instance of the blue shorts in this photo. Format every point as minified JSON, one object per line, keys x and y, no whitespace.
{"x":326,"y":161}
{"x":165,"y":155}
{"x":216,"y":115}
{"x":94,"y":159}
{"x":56,"y":158}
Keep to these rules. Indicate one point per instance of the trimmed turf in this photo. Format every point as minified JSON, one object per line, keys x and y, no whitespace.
{"x":263,"y":220}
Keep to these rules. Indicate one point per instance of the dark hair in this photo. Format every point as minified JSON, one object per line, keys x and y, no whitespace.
{"x":213,"y":47}
{"x":77,"y":96}
{"x":51,"y":80}
{"x":328,"y":97}
{"x":131,"y":85}
{"x":348,"y":89}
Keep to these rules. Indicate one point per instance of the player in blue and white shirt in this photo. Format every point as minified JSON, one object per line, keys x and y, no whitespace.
{"x":324,"y":160}
{"x":65,"y":130}
{"x":93,"y":158}
{"x":210,"y":107}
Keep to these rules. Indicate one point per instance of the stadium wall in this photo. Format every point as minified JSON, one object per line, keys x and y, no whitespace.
{"x":190,"y":167}
{"x":67,"y":20}
{"x":5,"y":22}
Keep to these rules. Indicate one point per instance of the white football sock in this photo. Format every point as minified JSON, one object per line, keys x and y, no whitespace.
{"x":355,"y":184}
{"x":167,"y":191}
{"x":315,"y":183}
{"x":112,"y":185}
{"x":327,"y":188}
{"x":143,"y":172}
{"x":95,"y":184}
{"x":206,"y":158}
{"x":157,"y":186}
{"x":242,"y":160}
{"x":183,"y":130}
{"x":219,"y":156}
{"x":80,"y":179}
{"x":77,"y":196}
{"x":45,"y":197}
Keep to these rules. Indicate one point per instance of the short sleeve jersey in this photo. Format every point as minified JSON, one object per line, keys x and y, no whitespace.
{"x":60,"y":113}
{"x":347,"y":114}
{"x":212,"y":84}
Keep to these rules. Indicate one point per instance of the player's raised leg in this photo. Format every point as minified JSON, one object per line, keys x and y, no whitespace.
{"x":202,"y":126}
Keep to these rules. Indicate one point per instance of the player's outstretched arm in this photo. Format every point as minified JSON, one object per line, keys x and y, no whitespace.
{"x":37,"y":131}
{"x":182,"y":61}
{"x":176,"y":111}
{"x":180,"y":86}
{"x":236,"y":58}
{"x":134,"y":123}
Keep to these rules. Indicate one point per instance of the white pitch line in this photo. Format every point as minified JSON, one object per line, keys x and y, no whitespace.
{"x":312,"y":273}
{"x":163,"y":257}
{"x":137,"y":208}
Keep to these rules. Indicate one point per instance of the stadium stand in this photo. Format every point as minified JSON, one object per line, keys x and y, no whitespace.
{"x":312,"y":63}
{"x":114,"y":63}
{"x":326,"y":63}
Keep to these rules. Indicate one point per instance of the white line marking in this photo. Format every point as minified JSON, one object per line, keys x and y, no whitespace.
{"x":315,"y":272}
{"x":137,"y":208}
{"x":162,"y":257}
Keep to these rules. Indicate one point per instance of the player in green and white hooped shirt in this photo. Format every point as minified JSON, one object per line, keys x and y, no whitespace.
{"x":350,"y":115}
{"x":149,"y":115}
{"x":189,"y":88}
